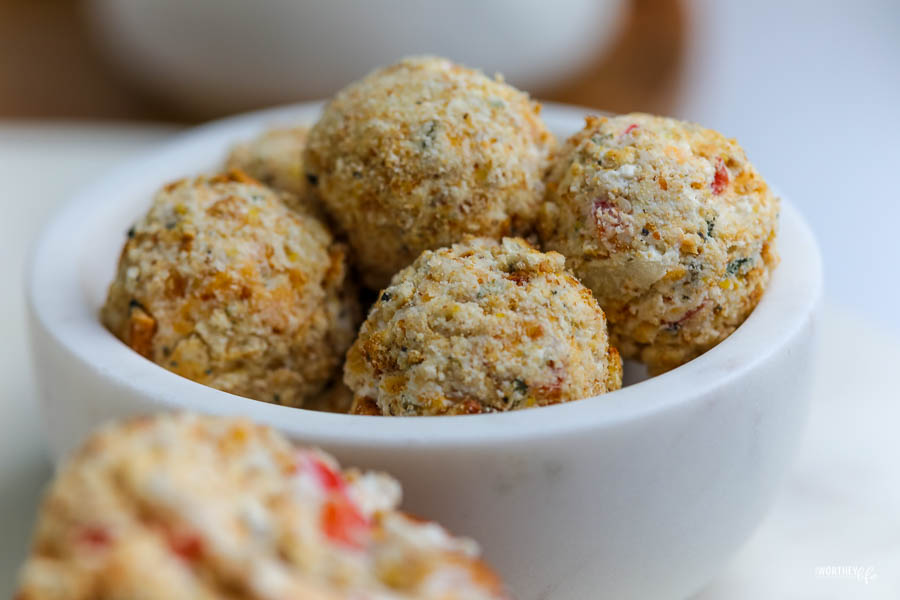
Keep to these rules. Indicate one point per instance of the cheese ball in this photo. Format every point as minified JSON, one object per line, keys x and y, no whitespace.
{"x":276,"y":159}
{"x":416,"y":155}
{"x":221,"y":283}
{"x":482,"y":326}
{"x":193,"y":507}
{"x":669,"y":225}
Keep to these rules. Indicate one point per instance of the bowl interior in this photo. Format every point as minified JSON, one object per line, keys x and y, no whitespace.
{"x":75,"y":257}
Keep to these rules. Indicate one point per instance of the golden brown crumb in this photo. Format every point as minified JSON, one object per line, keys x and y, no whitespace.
{"x":221,"y":283}
{"x":481,"y":326}
{"x":185,"y":507}
{"x":421,"y":153}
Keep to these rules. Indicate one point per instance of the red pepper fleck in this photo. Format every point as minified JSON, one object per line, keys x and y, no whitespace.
{"x":720,"y":181}
{"x":692,"y":312}
{"x":603,"y":204}
{"x":341,"y":519}
{"x":309,"y":462}
{"x":630,"y":128}
{"x":343,"y":523}
{"x":188,"y":546}
{"x":606,"y":216}
{"x":330,"y":480}
{"x":95,"y":536}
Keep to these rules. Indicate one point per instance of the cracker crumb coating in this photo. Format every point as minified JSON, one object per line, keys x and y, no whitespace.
{"x":481,"y":326}
{"x":275,"y":158}
{"x":418,"y":154}
{"x":671,"y":227}
{"x":221,"y":283}
{"x":181,"y":506}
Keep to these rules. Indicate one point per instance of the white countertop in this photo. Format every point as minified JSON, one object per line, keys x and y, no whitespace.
{"x":834,"y":531}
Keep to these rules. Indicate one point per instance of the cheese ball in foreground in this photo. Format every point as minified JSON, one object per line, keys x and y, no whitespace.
{"x":221,"y":283}
{"x":669,"y":225}
{"x":482,"y":326}
{"x":275,"y":158}
{"x":186,"y":507}
{"x":417,"y":155}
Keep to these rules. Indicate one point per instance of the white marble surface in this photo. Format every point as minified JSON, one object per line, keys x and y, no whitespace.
{"x":837,"y":509}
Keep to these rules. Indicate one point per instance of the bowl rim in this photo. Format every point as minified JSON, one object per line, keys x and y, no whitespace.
{"x":59,"y":306}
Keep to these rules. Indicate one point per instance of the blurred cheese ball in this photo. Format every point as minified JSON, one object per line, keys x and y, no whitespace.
{"x":221,"y":283}
{"x":275,"y":158}
{"x":416,"y":155}
{"x":481,"y":326}
{"x":179,"y":507}
{"x":669,"y":225}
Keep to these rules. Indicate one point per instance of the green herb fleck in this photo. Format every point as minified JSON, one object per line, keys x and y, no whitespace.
{"x":737,"y":265}
{"x":430,"y":132}
{"x":520,"y":386}
{"x":694,"y":268}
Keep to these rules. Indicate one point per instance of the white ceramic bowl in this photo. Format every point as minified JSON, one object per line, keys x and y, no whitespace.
{"x":285,"y":50}
{"x":642,"y":493}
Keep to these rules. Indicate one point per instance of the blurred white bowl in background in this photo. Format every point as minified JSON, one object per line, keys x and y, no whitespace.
{"x":209,"y":56}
